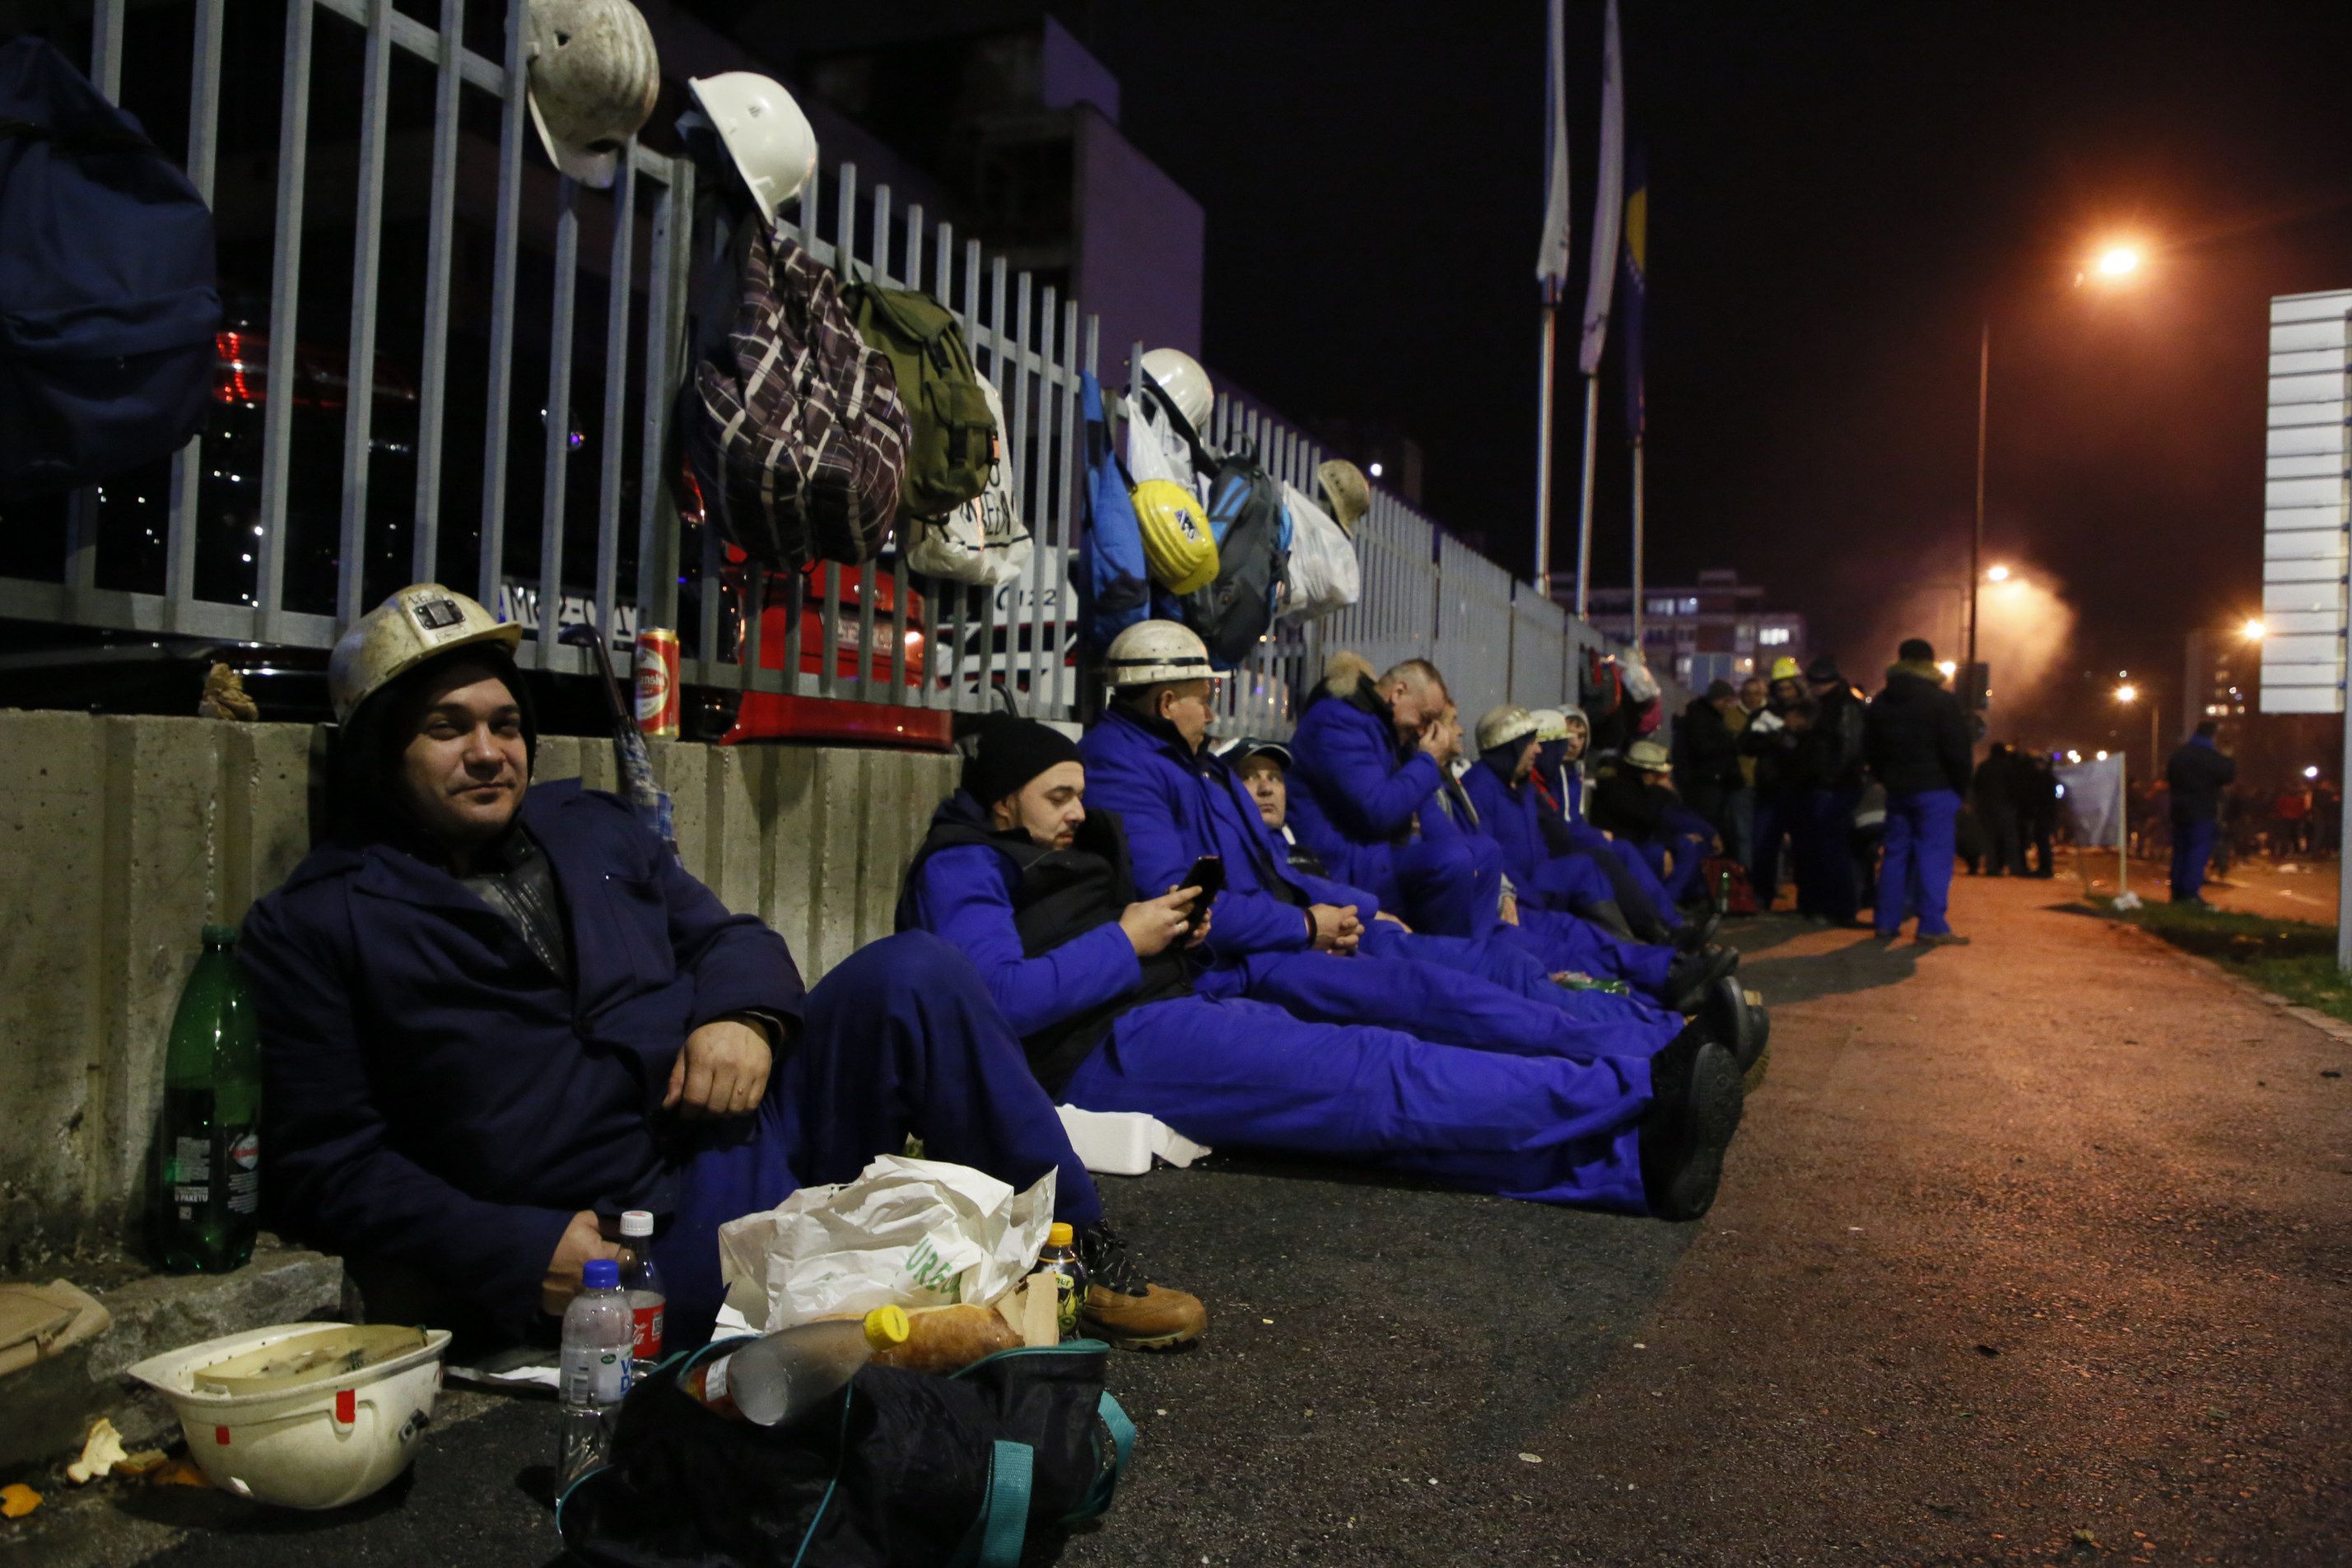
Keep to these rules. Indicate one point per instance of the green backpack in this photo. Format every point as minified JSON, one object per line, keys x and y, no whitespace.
{"x":954,"y":433}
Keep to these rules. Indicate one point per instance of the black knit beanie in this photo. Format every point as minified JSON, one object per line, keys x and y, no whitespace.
{"x":1008,"y":752}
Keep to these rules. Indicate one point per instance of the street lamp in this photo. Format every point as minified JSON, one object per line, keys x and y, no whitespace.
{"x":2252,"y":631}
{"x":1997,"y":574}
{"x":2127,"y":694}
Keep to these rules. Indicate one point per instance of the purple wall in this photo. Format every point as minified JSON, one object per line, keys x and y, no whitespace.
{"x":1140,"y":248}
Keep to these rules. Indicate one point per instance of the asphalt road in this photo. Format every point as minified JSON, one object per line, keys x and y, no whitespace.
{"x":2032,"y":1252}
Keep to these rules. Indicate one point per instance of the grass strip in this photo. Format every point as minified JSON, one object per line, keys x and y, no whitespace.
{"x":2293,"y":958}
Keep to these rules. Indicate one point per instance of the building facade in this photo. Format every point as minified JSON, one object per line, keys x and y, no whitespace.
{"x":1716,"y":629}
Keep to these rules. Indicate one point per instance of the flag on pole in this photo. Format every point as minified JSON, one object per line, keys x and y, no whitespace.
{"x":1633,"y":261}
{"x":1608,"y":204}
{"x":1551,"y":261}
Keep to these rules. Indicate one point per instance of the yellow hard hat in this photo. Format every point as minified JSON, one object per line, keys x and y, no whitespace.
{"x":1178,"y":544}
{"x":1785,"y":670}
{"x":419,"y":622}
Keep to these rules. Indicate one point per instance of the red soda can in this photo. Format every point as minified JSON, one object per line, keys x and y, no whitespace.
{"x":657,"y":677}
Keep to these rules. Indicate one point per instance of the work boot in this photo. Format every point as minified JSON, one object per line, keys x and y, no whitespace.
{"x":1122,"y":1308}
{"x":1763,"y":1058}
{"x":1736,"y":1017}
{"x":1608,"y":914}
{"x":1695,"y":1109}
{"x":1698,"y":930}
{"x":1689,"y":976}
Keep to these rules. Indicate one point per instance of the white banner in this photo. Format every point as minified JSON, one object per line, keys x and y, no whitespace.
{"x":1551,"y":259}
{"x":2093,"y":801}
{"x":1609,"y":204}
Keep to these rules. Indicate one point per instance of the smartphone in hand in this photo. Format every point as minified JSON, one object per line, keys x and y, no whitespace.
{"x":1208,"y":874}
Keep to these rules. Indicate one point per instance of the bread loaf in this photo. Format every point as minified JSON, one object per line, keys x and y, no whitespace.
{"x":942,"y":1340}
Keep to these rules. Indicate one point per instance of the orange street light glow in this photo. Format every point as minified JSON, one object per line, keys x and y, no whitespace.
{"x":1997,"y":574}
{"x":2252,"y":631}
{"x":2127,"y":693}
{"x":2118,"y":261}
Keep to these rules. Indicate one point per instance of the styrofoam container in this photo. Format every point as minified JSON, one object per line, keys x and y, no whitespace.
{"x":321,"y":1442}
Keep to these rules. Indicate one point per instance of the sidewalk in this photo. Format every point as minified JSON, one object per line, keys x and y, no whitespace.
{"x":2026,"y":1246}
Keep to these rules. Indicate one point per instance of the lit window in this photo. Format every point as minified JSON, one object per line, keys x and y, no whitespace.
{"x":1774,"y":636}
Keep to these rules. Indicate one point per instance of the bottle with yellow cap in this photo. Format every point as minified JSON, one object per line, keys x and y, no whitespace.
{"x":1060,"y":1260}
{"x":781,"y":1376}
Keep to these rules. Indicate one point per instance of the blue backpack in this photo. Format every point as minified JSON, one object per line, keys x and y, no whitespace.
{"x":1114,"y":583}
{"x":108,"y":302}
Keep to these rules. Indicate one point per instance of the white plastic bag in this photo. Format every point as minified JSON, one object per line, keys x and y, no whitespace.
{"x":982,"y":543}
{"x":907,"y":1233}
{"x":1324,"y":576}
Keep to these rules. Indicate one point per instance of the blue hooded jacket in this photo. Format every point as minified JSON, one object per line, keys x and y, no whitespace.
{"x":1511,"y":815}
{"x":1352,"y":801}
{"x":434,"y":1095}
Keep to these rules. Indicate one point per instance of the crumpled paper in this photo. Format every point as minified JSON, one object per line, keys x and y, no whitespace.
{"x":906,"y":1232}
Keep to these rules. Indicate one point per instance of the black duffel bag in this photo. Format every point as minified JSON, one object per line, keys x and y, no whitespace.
{"x":899,"y":1468}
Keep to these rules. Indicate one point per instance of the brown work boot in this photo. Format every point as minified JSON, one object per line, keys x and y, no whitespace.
{"x":1122,"y":1308}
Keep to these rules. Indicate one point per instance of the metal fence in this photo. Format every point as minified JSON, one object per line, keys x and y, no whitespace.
{"x":331,"y":487}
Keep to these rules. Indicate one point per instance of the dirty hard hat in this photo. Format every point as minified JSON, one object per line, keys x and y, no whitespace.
{"x":1502,"y":726}
{"x":1648,"y":757}
{"x":1179,"y":376}
{"x":1550,"y":724}
{"x":421,"y":622}
{"x":592,"y":79}
{"x":1150,"y":651}
{"x":1344,"y":490}
{"x":1178,"y":544}
{"x":770,"y":140}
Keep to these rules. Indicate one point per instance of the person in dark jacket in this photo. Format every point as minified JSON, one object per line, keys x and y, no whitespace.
{"x":496,"y":1014}
{"x":2037,"y":809}
{"x":1033,"y":886}
{"x":1996,"y":785}
{"x":1916,"y":740}
{"x":1774,"y":741}
{"x":2196,"y":777}
{"x":1636,"y":802}
{"x":1707,"y":757}
{"x":1831,"y":749}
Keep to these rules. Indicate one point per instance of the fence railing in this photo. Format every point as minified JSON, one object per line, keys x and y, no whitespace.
{"x":519,"y":443}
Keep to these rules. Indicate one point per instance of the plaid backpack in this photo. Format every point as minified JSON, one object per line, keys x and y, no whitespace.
{"x":793,"y":423}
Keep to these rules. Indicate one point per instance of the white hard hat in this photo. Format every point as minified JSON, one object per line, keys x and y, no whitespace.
{"x":1180,"y":375}
{"x":308,"y":1416}
{"x":770,"y":140}
{"x":1502,"y":726}
{"x":1551,"y":723}
{"x":415,"y":624}
{"x":1150,"y":651}
{"x":593,"y":77}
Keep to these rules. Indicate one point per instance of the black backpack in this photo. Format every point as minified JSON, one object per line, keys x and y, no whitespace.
{"x":1253,"y":559}
{"x":899,"y":1468}
{"x":108,"y":301}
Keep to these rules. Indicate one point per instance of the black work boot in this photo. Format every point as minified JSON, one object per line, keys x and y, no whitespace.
{"x":1736,"y":1017}
{"x":1688,"y":978}
{"x":1694,"y":1107}
{"x":1699,"y":929}
{"x":1124,"y":1309}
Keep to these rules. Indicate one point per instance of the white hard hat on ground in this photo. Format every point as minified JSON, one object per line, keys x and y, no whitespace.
{"x":308,"y":1416}
{"x":593,"y":79}
{"x":1501,"y":725}
{"x":1150,"y":651}
{"x":419,"y":622}
{"x":1180,"y":375}
{"x":770,"y":140}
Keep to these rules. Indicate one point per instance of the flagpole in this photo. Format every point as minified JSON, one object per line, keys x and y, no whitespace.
{"x":1543,"y":452}
{"x":1637,"y":544}
{"x":1584,"y":513}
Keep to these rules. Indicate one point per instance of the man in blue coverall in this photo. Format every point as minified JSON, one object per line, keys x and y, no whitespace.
{"x":1562,"y":736}
{"x":495,"y":1015}
{"x":1035,"y":889}
{"x":1290,"y":938}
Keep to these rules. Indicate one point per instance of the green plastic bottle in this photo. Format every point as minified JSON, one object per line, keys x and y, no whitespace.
{"x":208,"y":1148}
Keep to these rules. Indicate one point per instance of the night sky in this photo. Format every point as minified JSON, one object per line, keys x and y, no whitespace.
{"x":1839,"y":195}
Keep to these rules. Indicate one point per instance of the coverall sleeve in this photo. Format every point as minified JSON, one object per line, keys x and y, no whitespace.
{"x":1348,"y":771}
{"x":334,"y":1179}
{"x":738,"y":964}
{"x":1162,"y":852}
{"x":960,"y":898}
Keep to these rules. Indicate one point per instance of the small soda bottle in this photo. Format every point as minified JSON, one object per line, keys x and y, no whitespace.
{"x":208,"y":1150}
{"x":592,"y":1369}
{"x":1060,"y":1258}
{"x":642,"y":1282}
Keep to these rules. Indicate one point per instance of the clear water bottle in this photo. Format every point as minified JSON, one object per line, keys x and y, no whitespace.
{"x":1060,"y":1259}
{"x":782,"y":1376}
{"x":594,"y":1368}
{"x":642,"y":1283}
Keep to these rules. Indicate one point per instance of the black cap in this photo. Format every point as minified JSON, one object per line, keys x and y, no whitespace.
{"x":1824,"y":668}
{"x":1915,"y":651}
{"x":1009,"y":752}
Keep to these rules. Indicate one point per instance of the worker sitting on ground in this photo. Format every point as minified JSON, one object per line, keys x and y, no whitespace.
{"x":495,"y":1015}
{"x":1562,"y":737}
{"x":1036,"y":888}
{"x":1638,"y":804}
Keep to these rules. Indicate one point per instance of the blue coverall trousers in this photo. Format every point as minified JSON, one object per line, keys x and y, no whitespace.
{"x":1564,"y":942}
{"x":2192,"y":852}
{"x":1503,"y":960}
{"x":1543,"y":1128}
{"x":1915,"y":872}
{"x":1774,"y":829}
{"x":899,"y":1037}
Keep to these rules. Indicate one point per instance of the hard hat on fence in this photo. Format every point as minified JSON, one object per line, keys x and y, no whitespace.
{"x":770,"y":140}
{"x":421,"y":622}
{"x":592,"y":79}
{"x":1179,"y":546}
{"x":1344,"y":490}
{"x":1180,"y":375}
{"x":1550,"y":724}
{"x":1150,"y":651}
{"x":1502,"y":726}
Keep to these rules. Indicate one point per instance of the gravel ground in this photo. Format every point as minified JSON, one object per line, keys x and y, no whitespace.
{"x":2032,"y":1252}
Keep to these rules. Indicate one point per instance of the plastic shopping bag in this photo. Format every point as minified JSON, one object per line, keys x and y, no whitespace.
{"x":908,"y":1233}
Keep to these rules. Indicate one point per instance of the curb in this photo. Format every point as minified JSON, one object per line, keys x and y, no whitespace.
{"x":2334,"y":1029}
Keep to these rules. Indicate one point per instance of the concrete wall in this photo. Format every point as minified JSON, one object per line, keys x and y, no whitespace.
{"x":122,"y":836}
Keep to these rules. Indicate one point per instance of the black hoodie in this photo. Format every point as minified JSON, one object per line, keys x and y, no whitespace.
{"x":1915,"y":735}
